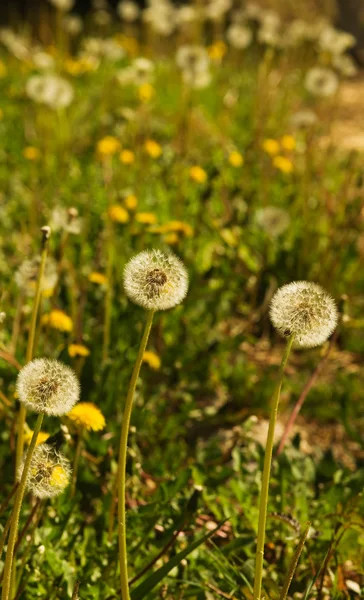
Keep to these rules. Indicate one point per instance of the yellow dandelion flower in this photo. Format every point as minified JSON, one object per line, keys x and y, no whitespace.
{"x":59,"y":477}
{"x":270,"y":146}
{"x":87,"y":415}
{"x":146,"y":92}
{"x":177,"y":226}
{"x":127,"y":157}
{"x":171,"y":239}
{"x":31,"y":153}
{"x":236,"y":159}
{"x":131,"y":202}
{"x":152,"y":359}
{"x":146,"y":218}
{"x":217,"y":50}
{"x":288,"y":142}
{"x":118,"y":214}
{"x":198,"y":174}
{"x":48,"y":292}
{"x":99,"y":278}
{"x":78,"y":350}
{"x":42,"y":437}
{"x":283,"y":164}
{"x":108,"y":146}
{"x":152,"y":148}
{"x":57,"y":319}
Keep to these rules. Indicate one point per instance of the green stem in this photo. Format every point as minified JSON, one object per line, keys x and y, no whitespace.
{"x":263,"y":502}
{"x":121,"y":475}
{"x":294,"y":563}
{"x":30,"y":346}
{"x":109,"y":292}
{"x":76,"y":462}
{"x":16,"y":512}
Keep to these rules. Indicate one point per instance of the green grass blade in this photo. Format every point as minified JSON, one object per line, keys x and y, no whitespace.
{"x":148,"y":584}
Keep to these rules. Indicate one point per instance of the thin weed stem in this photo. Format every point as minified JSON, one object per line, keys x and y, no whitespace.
{"x":294,"y":562}
{"x":263,"y":502}
{"x":31,"y":340}
{"x":16,"y":512}
{"x":121,"y":475}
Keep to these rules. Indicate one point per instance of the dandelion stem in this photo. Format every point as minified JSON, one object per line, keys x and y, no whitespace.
{"x":294,"y":562}
{"x":263,"y":501}
{"x":109,"y":293}
{"x":76,"y":462}
{"x":121,"y":475}
{"x":31,"y":339}
{"x":16,"y":512}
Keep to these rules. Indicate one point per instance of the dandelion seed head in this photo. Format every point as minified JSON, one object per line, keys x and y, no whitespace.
{"x":48,"y":386}
{"x":304,"y":310}
{"x":156,"y":280}
{"x":49,"y":472}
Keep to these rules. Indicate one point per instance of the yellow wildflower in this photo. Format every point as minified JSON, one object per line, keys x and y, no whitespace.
{"x":152,"y":359}
{"x":59,"y":477}
{"x":78,"y":350}
{"x":98,"y":278}
{"x":31,"y":153}
{"x":288,"y":142}
{"x":217,"y":50}
{"x":146,"y":218}
{"x":270,"y":146}
{"x":87,"y":415}
{"x":57,"y":319}
{"x":108,"y":146}
{"x":236,"y":159}
{"x":146,"y":92}
{"x":118,"y":213}
{"x":131,"y":202}
{"x":127,"y":157}
{"x":47,"y":293}
{"x":153,"y":148}
{"x":42,"y":437}
{"x":283,"y":164}
{"x":198,"y":174}
{"x":171,"y":238}
{"x":178,"y":226}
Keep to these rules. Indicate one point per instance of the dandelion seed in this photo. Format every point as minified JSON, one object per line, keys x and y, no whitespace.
{"x":304,"y":310}
{"x":128,"y":11}
{"x":239,"y":36}
{"x":273,"y":220}
{"x":321,"y":82}
{"x":87,"y":415}
{"x":26,"y":275}
{"x":48,"y":386}
{"x":155,"y":280}
{"x":49,"y":472}
{"x":52,"y":90}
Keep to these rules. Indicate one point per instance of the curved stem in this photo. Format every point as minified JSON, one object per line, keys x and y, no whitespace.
{"x":16,"y":512}
{"x":263,"y":502}
{"x":121,"y":475}
{"x":30,"y":347}
{"x":294,"y":562}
